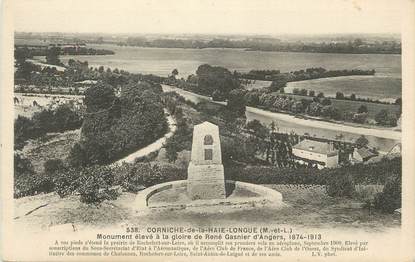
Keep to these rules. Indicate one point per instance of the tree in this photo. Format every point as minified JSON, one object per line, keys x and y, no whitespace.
{"x":296,"y":91}
{"x":311,"y":93}
{"x":218,"y":95}
{"x":348,"y":115}
{"x":339,"y":95}
{"x":362,"y":109}
{"x":95,"y":185}
{"x":340,"y":185}
{"x":211,"y":78}
{"x":360,"y":118}
{"x":326,"y":101}
{"x":331,"y":112}
{"x":278,"y":85}
{"x":297,"y":107}
{"x":175,"y":72}
{"x":258,"y":129}
{"x":391,"y":197}
{"x":398,"y":101}
{"x":114,"y":126}
{"x":21,"y":54}
{"x":236,"y":103}
{"x":77,"y":156}
{"x":171,"y":149}
{"x":24,"y":70}
{"x":385,"y":118}
{"x":303,"y":92}
{"x":314,"y":109}
{"x":98,"y":97}
{"x":352,"y":97}
{"x":52,"y":56}
{"x":320,"y":95}
{"x":362,"y":141}
{"x":23,"y":130}
{"x":53,"y":166}
{"x":22,"y":166}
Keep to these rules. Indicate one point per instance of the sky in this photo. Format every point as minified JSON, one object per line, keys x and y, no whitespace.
{"x":271,"y":17}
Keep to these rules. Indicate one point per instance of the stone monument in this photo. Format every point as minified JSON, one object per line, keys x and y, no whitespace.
{"x":205,"y":174}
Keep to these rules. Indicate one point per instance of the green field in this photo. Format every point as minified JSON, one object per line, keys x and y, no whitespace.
{"x":373,"y":87}
{"x":257,"y":84}
{"x":348,"y":105}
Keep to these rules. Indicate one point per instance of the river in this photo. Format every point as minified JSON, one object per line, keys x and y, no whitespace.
{"x":385,"y":85}
{"x":382,"y":139}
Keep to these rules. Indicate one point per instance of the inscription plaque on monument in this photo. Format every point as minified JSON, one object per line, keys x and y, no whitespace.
{"x":205,"y":174}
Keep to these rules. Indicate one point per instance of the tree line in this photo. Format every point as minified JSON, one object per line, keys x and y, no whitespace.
{"x":300,"y":75}
{"x":222,"y":85}
{"x":357,"y":46}
{"x":67,"y":50}
{"x":318,"y":106}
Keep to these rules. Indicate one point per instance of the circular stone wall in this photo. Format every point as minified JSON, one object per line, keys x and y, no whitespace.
{"x":174,"y":195}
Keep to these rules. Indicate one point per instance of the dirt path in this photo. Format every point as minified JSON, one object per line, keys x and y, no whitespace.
{"x":157,"y":145}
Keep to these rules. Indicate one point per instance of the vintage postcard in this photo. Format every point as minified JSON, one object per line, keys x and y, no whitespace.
{"x":204,"y":129}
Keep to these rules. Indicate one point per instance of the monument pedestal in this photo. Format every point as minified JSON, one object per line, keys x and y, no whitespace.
{"x":206,"y":182}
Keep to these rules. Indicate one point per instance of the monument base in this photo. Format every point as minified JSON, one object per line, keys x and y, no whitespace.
{"x":173,"y":195}
{"x":206,"y":182}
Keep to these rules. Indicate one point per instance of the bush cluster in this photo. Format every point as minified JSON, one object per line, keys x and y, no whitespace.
{"x":134,"y":177}
{"x":375,"y":173}
{"x":94,"y":184}
{"x":390,"y":198}
{"x":64,"y":117}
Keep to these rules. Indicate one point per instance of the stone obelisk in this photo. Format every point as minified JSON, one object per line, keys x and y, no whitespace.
{"x":206,"y":179}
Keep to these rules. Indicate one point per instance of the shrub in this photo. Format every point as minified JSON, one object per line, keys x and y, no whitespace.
{"x":374,"y":173}
{"x":95,"y":185}
{"x":64,"y":117}
{"x":66,"y":181}
{"x":386,"y":118}
{"x":339,"y":95}
{"x":362,"y":141}
{"x":391,"y":197}
{"x":26,"y":182}
{"x":274,"y":175}
{"x":340,"y":185}
{"x":218,"y":95}
{"x":362,"y":109}
{"x":135,"y":177}
{"x":51,"y":167}
{"x":359,"y":118}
